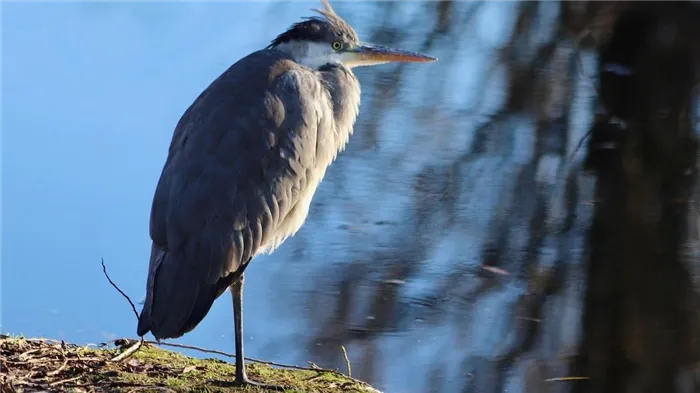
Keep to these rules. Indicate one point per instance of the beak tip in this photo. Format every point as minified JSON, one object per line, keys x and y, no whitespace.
{"x":427,"y":59}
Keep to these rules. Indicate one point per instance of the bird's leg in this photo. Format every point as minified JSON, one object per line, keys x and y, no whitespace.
{"x":241,"y":376}
{"x":237,"y":293}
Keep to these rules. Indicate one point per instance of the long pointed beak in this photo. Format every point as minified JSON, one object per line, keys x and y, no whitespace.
{"x":377,"y":54}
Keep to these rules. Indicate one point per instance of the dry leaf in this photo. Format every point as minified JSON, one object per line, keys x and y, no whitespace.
{"x":496,"y":270}
{"x":189,"y":369}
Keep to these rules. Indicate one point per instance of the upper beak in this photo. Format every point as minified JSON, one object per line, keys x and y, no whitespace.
{"x":382,"y":54}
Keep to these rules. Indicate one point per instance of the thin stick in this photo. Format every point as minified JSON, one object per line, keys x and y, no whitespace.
{"x":58,"y":370}
{"x":185,"y":346}
{"x":133,"y":307}
{"x":48,"y":340}
{"x":128,"y":352}
{"x":61,"y":382}
{"x":26,"y":354}
{"x":347,"y":360}
{"x":289,"y":366}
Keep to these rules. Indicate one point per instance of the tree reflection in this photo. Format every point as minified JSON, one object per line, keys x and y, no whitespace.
{"x":514,"y":257}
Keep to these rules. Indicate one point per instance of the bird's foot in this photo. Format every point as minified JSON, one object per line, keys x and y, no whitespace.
{"x":244,"y":382}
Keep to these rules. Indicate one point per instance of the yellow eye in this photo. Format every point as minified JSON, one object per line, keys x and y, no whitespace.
{"x":337,"y":45}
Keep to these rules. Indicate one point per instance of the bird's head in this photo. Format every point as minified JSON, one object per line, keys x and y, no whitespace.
{"x":317,"y":41}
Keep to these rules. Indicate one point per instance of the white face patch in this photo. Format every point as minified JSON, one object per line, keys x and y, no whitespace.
{"x":318,"y":54}
{"x":311,"y":54}
{"x":314,"y":55}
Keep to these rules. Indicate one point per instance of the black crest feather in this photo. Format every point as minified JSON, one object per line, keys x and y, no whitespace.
{"x":326,"y":28}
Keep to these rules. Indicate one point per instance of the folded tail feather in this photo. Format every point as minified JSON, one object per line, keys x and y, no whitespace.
{"x":179,"y":295}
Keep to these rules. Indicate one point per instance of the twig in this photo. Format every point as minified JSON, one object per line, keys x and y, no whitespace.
{"x":314,"y":365}
{"x":229,"y":355}
{"x":129,"y":351}
{"x":185,"y":346}
{"x":61,"y":382}
{"x":6,"y":382}
{"x":48,"y":340}
{"x":135,"y":347}
{"x":347,"y":360}
{"x":116,"y":384}
{"x":133,"y":307}
{"x":65,"y":363}
{"x":25,"y":355}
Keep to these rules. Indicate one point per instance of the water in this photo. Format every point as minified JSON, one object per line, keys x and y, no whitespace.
{"x":91,"y":94}
{"x":443,"y":228}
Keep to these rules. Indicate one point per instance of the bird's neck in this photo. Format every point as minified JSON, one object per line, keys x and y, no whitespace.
{"x":344,"y":91}
{"x":313,"y":55}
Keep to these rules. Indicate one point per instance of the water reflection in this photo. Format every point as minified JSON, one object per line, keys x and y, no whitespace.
{"x":444,"y":250}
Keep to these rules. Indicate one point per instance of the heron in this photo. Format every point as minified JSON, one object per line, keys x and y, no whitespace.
{"x":243,"y":165}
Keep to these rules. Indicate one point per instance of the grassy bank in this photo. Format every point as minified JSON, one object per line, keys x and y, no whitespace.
{"x":31,"y":365}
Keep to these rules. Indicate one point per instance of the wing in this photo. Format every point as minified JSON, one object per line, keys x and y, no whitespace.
{"x":238,"y":160}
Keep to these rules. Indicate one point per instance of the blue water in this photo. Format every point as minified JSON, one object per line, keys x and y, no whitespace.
{"x":91,"y":93}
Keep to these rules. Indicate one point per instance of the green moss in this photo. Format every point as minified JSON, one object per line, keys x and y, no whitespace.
{"x":44,"y":364}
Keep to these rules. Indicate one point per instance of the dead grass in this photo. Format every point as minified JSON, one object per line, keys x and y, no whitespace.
{"x":39,"y":365}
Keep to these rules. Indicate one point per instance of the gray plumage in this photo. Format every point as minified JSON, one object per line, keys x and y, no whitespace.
{"x":244,"y":163}
{"x":239,"y":179}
